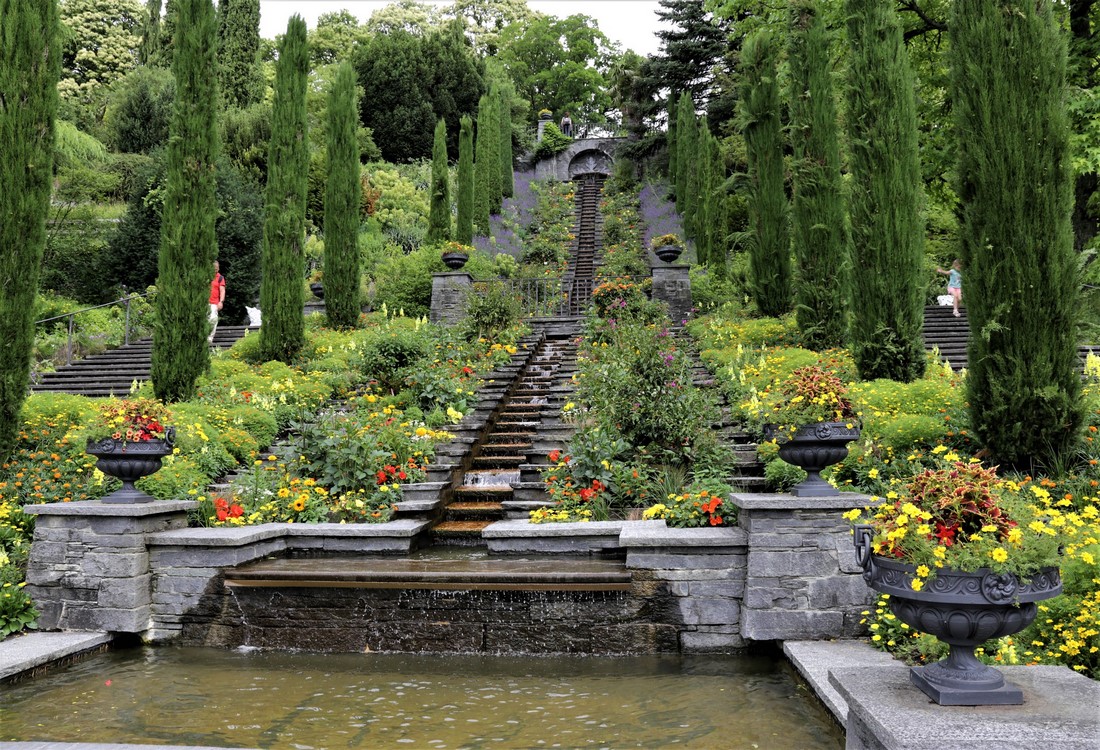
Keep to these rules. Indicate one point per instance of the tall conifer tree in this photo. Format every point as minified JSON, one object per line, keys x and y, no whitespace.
{"x":770,"y":251}
{"x":670,"y":143}
{"x":239,"y":70}
{"x":343,"y":195}
{"x":685,"y":118}
{"x":483,"y":164}
{"x":887,"y":297}
{"x":188,"y":246}
{"x":30,"y":65}
{"x":282,"y":294}
{"x":505,"y":92}
{"x":492,"y":131}
{"x":1008,"y":80}
{"x":149,"y":52}
{"x":464,"y":221}
{"x":818,"y":229}
{"x":439,"y":212}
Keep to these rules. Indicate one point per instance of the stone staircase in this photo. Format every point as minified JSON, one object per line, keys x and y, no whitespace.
{"x":114,"y":372}
{"x":485,"y":490}
{"x":589,"y":231}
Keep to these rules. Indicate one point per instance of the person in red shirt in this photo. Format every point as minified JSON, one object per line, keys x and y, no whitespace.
{"x":217,"y":299}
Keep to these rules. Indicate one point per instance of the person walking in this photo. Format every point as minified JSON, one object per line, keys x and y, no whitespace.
{"x":217,"y":299}
{"x":567,"y":125}
{"x":954,"y":283}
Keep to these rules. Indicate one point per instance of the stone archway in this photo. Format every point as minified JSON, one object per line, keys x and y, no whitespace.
{"x":590,"y":161}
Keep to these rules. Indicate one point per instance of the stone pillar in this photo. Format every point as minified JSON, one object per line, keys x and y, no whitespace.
{"x":802,"y":581}
{"x":542,"y":128}
{"x":89,"y":564}
{"x":672,"y":285}
{"x":449,"y":292}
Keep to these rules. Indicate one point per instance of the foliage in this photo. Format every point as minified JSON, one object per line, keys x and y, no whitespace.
{"x":188,"y":241}
{"x":769,"y":252}
{"x":692,"y":508}
{"x":245,"y":136}
{"x":17,"y":611}
{"x":818,"y":226}
{"x":342,"y":201}
{"x":28,"y":71}
{"x":99,"y":46}
{"x":464,"y":219}
{"x":439,"y":216}
{"x":132,"y":252}
{"x":409,"y":82}
{"x":809,"y":395}
{"x":886,"y":203}
{"x":363,"y":506}
{"x":666,"y":240}
{"x":484,"y":164}
{"x":131,"y":421}
{"x":552,"y":143}
{"x":139,"y":110}
{"x":489,"y":312}
{"x":281,"y":292}
{"x":240,"y":77}
{"x":1024,"y":389}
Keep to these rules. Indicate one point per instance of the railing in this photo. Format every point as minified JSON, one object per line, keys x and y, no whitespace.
{"x":587,"y":130}
{"x":71,"y":321}
{"x":548,"y":298}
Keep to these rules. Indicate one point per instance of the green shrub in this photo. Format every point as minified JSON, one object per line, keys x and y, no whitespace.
{"x":17,"y":611}
{"x":553,"y":142}
{"x":179,"y":478}
{"x":490,"y":310}
{"x":907,"y":431}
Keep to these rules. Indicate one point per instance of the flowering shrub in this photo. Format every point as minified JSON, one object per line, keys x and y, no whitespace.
{"x":962,"y":516}
{"x":666,"y":239}
{"x":365,"y":506}
{"x":131,"y":420}
{"x":695,"y":507}
{"x":17,"y":611}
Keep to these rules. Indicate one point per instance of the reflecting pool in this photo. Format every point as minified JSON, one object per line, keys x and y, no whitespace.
{"x":280,"y":700}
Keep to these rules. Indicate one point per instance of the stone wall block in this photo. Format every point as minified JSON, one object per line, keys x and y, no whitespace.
{"x":700,"y":611}
{"x":130,"y":594}
{"x":115,"y":565}
{"x":839,"y":591}
{"x":846,"y":554}
{"x":760,"y":596}
{"x":669,"y":561}
{"x":713,"y":642}
{"x":800,"y":563}
{"x":697,"y":574}
{"x":794,"y":625}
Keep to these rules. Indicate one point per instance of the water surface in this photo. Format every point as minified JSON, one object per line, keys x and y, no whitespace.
{"x":279,"y":700}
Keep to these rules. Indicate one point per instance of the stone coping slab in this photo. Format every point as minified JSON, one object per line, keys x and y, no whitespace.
{"x":97,"y":508}
{"x":526,"y":529}
{"x":238,"y":536}
{"x":1061,"y":711}
{"x":783,"y":501}
{"x":21,"y":653}
{"x":659,"y":534}
{"x":814,"y":659}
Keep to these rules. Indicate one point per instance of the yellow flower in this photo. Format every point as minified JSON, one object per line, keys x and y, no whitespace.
{"x":917,"y":584}
{"x":999,"y":554}
{"x":923,"y":571}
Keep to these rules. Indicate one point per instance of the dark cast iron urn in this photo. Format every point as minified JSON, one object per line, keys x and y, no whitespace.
{"x":964,"y":610}
{"x":813,"y":448}
{"x":130,"y":462}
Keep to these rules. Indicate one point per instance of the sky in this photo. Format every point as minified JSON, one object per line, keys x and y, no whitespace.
{"x":631,"y":23}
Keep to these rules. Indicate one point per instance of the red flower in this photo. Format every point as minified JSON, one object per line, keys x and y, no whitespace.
{"x":586,"y":494}
{"x":222,"y":514}
{"x":402,"y":475}
{"x":554,"y":455}
{"x":382,"y":478}
{"x":235,"y":511}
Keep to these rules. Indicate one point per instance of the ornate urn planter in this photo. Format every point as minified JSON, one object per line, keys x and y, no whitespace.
{"x":454,"y":261}
{"x":964,"y":610}
{"x":813,"y":448}
{"x":130,"y":462}
{"x":317,"y":289}
{"x":668,"y":253}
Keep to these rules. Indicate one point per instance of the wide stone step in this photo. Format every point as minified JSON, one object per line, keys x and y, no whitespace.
{"x":504,"y":449}
{"x":473,"y":510}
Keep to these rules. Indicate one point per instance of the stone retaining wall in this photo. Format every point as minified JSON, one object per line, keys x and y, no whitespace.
{"x":786,"y":572}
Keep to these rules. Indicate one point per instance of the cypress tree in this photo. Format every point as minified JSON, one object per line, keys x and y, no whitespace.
{"x":150,"y":50}
{"x":188,"y":246}
{"x":483,"y":163}
{"x":504,"y":109}
{"x":818,"y":233}
{"x":670,"y":141}
{"x":30,"y":65}
{"x":887,"y":290}
{"x":693,"y":141}
{"x":685,"y":118}
{"x":464,"y":223}
{"x":492,"y":132}
{"x":1008,"y":87}
{"x":239,"y":52}
{"x":342,"y":201}
{"x":439,"y":216}
{"x":770,"y":252}
{"x":282,"y":292}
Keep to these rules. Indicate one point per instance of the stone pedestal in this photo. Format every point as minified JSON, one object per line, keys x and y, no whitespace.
{"x":449,"y":292}
{"x":672,"y":285}
{"x":802,"y":580}
{"x":1061,"y":711}
{"x":89,"y":564}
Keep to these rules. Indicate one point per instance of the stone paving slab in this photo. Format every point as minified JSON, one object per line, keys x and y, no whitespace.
{"x":1061,"y":711}
{"x":24,"y":652}
{"x":814,"y":659}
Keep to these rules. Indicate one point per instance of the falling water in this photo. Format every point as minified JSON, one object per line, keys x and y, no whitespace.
{"x":492,"y":478}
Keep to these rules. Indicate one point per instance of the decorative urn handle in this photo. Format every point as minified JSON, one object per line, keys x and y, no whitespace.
{"x":863,"y":536}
